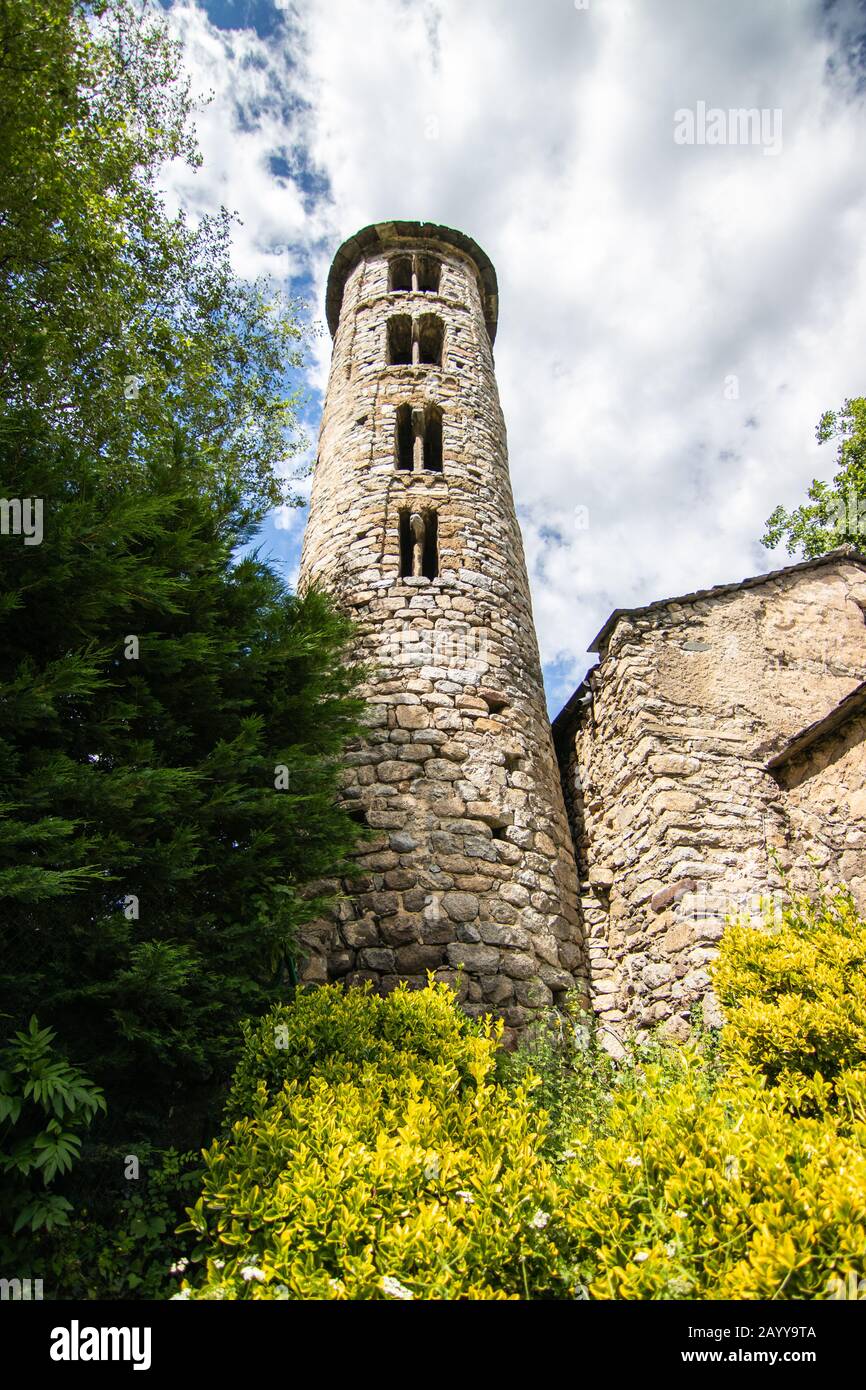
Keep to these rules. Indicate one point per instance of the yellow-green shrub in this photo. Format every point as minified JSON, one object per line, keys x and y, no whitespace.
{"x":375,"y":1154}
{"x":332,"y":1033}
{"x":795,"y":999}
{"x":715,"y":1193}
{"x":749,"y":1183}
{"x":379,"y":1169}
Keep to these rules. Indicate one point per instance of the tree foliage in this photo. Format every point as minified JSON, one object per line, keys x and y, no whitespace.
{"x":171,"y":718}
{"x":123,"y":327}
{"x":363,"y":1163}
{"x":377,"y":1159}
{"x":835,"y":513}
{"x":45,"y":1105}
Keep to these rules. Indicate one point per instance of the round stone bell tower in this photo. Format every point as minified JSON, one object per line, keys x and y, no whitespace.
{"x":412,"y":530}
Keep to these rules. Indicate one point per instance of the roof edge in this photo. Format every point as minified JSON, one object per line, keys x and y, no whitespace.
{"x":845,"y":552}
{"x":847,"y":707}
{"x":573,"y":707}
{"x":381,"y":235}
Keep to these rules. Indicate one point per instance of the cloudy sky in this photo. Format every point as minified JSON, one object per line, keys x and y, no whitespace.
{"x":674,"y":317}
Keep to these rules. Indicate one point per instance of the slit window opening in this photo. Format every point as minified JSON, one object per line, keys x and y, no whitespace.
{"x":419,"y":544}
{"x":430,"y":563}
{"x":405,"y":546}
{"x":400,"y":340}
{"x":431,"y":333}
{"x":405,"y":441}
{"x":400,"y":273}
{"x":433,"y":439}
{"x":428,"y":271}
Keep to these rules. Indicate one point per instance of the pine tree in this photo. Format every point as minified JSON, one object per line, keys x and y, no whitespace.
{"x":171,"y":718}
{"x":170,"y":731}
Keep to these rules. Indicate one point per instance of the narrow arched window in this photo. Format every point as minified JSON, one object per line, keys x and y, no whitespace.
{"x":430,"y":333}
{"x":428,"y":271}
{"x":405,"y":545}
{"x":431,"y":546}
{"x":419,"y":544}
{"x":433,"y":439}
{"x":416,"y":272}
{"x":400,"y":340}
{"x":400,"y":273}
{"x":405,"y":438}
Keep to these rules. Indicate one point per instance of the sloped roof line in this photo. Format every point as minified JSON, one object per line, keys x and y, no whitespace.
{"x":850,"y":705}
{"x":844,"y":552}
{"x":572,"y":706}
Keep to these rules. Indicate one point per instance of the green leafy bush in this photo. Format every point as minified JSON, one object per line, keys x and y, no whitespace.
{"x":391,"y":1164}
{"x":703,"y":1192}
{"x":380,"y":1147}
{"x":45,"y":1106}
{"x":747,"y":1181}
{"x":331,"y":1034}
{"x":570,"y":1075}
{"x":121,"y":1241}
{"x":795,"y":997}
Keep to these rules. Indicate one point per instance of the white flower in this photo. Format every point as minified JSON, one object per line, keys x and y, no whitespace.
{"x":179,"y":1266}
{"x":640,"y":1256}
{"x":540,"y":1220}
{"x":632,"y":1161}
{"x":394,"y":1289}
{"x":180,"y":1297}
{"x":466,"y":1197}
{"x":569,"y":1153}
{"x":219,"y":1264}
{"x":680,"y":1288}
{"x":250,"y":1272}
{"x":671,"y":1248}
{"x":682,"y":1215}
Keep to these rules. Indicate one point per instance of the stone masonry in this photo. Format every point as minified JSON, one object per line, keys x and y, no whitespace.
{"x":718,"y":741}
{"x":712,"y":761}
{"x":412,"y":530}
{"x":822,"y":776}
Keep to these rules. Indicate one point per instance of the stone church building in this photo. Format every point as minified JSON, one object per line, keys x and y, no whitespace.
{"x":715,"y":750}
{"x":718,"y":741}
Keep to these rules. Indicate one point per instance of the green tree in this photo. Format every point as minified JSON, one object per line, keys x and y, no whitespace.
{"x":171,"y":724}
{"x":120,"y":324}
{"x":171,"y":718}
{"x":835,"y":514}
{"x":44,"y":1103}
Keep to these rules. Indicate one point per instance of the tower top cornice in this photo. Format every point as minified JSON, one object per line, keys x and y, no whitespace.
{"x":386,"y":236}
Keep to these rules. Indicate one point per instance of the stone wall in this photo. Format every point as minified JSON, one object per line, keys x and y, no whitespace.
{"x":673,"y":810}
{"x":824,"y":798}
{"x":472,"y":872}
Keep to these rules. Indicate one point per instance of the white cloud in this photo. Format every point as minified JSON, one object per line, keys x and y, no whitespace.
{"x":636,"y":275}
{"x":247,"y":120}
